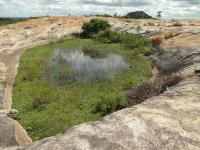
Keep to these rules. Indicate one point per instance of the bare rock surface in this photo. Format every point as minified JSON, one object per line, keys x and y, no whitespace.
{"x":7,"y":134}
{"x":169,"y":121}
{"x":179,"y":59}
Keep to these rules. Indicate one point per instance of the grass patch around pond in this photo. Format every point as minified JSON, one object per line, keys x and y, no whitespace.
{"x":47,"y":110}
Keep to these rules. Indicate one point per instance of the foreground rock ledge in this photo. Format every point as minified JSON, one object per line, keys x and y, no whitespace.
{"x":169,"y":121}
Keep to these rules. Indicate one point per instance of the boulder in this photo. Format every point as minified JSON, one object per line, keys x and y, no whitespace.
{"x":13,"y":113}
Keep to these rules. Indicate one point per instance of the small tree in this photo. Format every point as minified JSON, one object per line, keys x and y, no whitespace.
{"x":94,"y":27}
{"x":159,"y":14}
{"x":139,"y":28}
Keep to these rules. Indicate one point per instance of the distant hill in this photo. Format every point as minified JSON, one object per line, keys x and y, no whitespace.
{"x":5,"y":21}
{"x":138,"y":15}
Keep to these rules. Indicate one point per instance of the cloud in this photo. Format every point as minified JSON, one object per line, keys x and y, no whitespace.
{"x":190,"y":2}
{"x":49,"y":2}
{"x":180,"y":8}
{"x":118,"y":3}
{"x":170,"y":8}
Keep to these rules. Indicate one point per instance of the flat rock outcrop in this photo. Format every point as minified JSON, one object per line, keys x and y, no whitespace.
{"x":169,"y":121}
{"x":7,"y":131}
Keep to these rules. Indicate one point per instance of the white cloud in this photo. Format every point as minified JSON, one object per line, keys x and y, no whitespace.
{"x":180,"y":8}
{"x":117,"y":3}
{"x":170,"y":8}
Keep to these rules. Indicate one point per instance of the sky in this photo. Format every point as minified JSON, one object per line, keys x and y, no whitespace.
{"x":170,"y":8}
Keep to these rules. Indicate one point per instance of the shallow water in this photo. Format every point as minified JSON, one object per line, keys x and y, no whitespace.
{"x":77,"y":64}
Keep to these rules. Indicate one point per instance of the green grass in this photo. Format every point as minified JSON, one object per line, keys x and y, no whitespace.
{"x":72,"y":104}
{"x":5,"y":21}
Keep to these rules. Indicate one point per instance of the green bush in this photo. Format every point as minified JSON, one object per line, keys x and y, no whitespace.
{"x":99,"y":30}
{"x":109,"y":104}
{"x":94,"y":27}
{"x":146,"y":51}
{"x":5,"y":21}
{"x":109,"y":37}
{"x":131,"y":41}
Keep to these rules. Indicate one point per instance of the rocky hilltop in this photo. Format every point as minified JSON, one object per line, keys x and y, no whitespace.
{"x":168,"y":121}
{"x":138,"y":15}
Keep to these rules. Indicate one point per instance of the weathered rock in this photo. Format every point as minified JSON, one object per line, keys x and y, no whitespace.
{"x":170,"y":60}
{"x":7,"y":132}
{"x":197,"y":70}
{"x":13,"y":113}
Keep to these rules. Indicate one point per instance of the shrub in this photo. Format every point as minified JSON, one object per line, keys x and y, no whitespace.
{"x":108,"y":37}
{"x":147,"y":90}
{"x":128,"y":40}
{"x":109,"y":104}
{"x":131,"y":41}
{"x":146,"y":51}
{"x":100,"y":31}
{"x":94,"y":27}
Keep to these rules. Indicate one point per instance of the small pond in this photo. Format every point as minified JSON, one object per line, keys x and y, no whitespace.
{"x":85,"y":65}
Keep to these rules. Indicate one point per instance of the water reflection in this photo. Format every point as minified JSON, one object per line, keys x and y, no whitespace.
{"x":85,"y":65}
